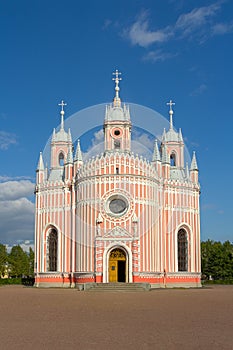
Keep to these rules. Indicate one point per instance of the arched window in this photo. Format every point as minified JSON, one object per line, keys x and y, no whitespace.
{"x":52,"y":250}
{"x":61,"y":159}
{"x":182,"y":243}
{"x":173,"y":159}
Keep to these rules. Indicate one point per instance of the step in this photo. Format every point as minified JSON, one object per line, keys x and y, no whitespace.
{"x":115,"y":287}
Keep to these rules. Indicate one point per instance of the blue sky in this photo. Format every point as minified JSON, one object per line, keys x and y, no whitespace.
{"x":168,"y":49}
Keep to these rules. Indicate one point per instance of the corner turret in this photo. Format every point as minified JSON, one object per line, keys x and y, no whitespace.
{"x":174,"y":142}
{"x":78,"y":159}
{"x":61,"y":144}
{"x":194,"y":169}
{"x":40,"y":171}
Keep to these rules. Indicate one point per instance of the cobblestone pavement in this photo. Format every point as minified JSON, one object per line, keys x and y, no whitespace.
{"x":32,"y":318}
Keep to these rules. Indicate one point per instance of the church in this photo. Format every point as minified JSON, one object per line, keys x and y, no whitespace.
{"x":117,"y":217}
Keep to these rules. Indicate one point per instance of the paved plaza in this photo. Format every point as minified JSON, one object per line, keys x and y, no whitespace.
{"x":34,"y":318}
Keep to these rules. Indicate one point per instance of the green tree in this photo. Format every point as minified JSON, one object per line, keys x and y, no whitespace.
{"x":31,"y":262}
{"x":228,"y":259}
{"x":3,"y":259}
{"x":18,"y":261}
{"x":217,"y":259}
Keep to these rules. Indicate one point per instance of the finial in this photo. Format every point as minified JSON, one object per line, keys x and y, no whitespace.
{"x":170,"y":103}
{"x":78,"y":154}
{"x":40,"y":165}
{"x":165,"y":157}
{"x":117,"y":100}
{"x":69,"y":156}
{"x":180,"y":135}
{"x":194,"y":162}
{"x":156,"y":155}
{"x":62,"y":104}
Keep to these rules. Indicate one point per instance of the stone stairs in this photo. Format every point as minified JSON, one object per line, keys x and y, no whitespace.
{"x":117,"y":287}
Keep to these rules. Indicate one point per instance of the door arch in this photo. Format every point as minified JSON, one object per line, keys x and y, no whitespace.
{"x":117,"y":266}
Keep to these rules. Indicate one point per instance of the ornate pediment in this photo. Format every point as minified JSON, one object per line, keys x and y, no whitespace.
{"x":117,"y":232}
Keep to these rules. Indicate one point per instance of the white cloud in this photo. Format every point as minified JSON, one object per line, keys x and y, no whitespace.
{"x":107,"y":23}
{"x":16,"y":211}
{"x":6,"y":139}
{"x":194,"y":144}
{"x":195,"y":19}
{"x":143,"y":138}
{"x":25,"y":245}
{"x":16,"y":220}
{"x":140,"y":34}
{"x":222,"y":28}
{"x":157,"y":55}
{"x":4,"y":178}
{"x":208,"y":206}
{"x":98,"y":137}
{"x":11,"y":190}
{"x":96,"y":145}
{"x":142,"y":144}
{"x":199,"y":90}
{"x":199,"y":24}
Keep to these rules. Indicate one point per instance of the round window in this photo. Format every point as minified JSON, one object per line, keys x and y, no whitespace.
{"x":117,"y":132}
{"x":117,"y":205}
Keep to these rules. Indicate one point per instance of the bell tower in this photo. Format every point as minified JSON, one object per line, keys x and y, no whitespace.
{"x":172,"y":146}
{"x":117,"y":124}
{"x":61,"y":143}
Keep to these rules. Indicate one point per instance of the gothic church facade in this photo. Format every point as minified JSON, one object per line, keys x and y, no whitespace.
{"x":117,"y":217}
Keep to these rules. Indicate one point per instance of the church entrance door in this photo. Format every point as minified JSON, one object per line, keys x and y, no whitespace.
{"x":117,"y":266}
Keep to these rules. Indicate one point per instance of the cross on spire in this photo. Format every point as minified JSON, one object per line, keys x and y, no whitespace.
{"x":117,"y":79}
{"x":170,"y":103}
{"x":62,"y":104}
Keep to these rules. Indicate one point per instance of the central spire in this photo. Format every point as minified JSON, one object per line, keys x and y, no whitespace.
{"x":62,"y":104}
{"x":170,"y":103}
{"x":117,"y":100}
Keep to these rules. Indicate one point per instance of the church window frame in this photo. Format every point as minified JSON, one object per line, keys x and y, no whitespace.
{"x":61,"y":159}
{"x":182,"y":250}
{"x":116,"y":133}
{"x":173,"y":159}
{"x":117,"y":205}
{"x":52,"y":250}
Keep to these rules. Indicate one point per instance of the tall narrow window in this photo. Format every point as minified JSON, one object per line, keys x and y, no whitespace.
{"x":52,"y":251}
{"x":61,"y":159}
{"x":117,"y":170}
{"x":182,"y":250}
{"x":173,"y":159}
